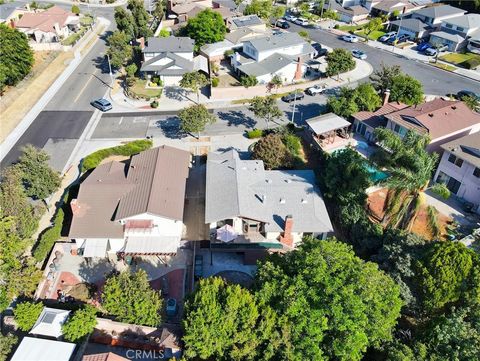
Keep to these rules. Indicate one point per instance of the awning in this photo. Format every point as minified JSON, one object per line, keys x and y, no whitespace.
{"x":226,"y":233}
{"x":95,"y":248}
{"x":326,"y":123}
{"x":152,"y":245}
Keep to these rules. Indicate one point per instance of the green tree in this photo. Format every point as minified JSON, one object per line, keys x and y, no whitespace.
{"x":265,"y":108}
{"x":248,"y":81}
{"x":81,"y":324}
{"x":445,"y":271}
{"x":194,"y":119}
{"x":278,"y":12}
{"x":224,"y":322}
{"x":471,"y":102}
{"x":304,"y":34}
{"x":406,"y":89}
{"x":331,"y":14}
{"x":6,"y":345}
{"x":272,"y":151}
{"x":75,"y":9}
{"x":373,"y":25}
{"x":382,"y":79}
{"x":206,"y":28}
{"x":16,"y":56}
{"x":26,"y":314}
{"x":141,"y":18}
{"x":261,"y":8}
{"x":129,"y":297}
{"x":119,"y":50}
{"x":194,"y":81}
{"x":159,"y":10}
{"x":125,"y":22}
{"x":276,"y":82}
{"x":339,"y":61}
{"x":344,"y":105}
{"x":39,"y":178}
{"x":164,"y":33}
{"x":332,"y":304}
{"x":367,"y":97}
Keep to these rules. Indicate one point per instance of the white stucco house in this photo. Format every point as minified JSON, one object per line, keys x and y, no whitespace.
{"x":135,"y":208}
{"x":270,"y":209}
{"x":459,"y":168}
{"x":283,"y":54}
{"x":458,"y":32}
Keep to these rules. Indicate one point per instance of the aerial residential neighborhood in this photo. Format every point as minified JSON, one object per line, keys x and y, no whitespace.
{"x":240,"y":180}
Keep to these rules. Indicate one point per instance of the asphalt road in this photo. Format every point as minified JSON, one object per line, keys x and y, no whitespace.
{"x":435,"y":81}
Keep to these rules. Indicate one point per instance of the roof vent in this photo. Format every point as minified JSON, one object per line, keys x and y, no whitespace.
{"x":282,"y":200}
{"x":454,"y":107}
{"x":304,"y":201}
{"x":430,"y":115}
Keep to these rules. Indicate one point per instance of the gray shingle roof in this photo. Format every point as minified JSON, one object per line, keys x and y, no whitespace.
{"x":278,"y":41}
{"x":169,"y":44}
{"x":269,"y":65}
{"x":439,"y":11}
{"x":6,"y":10}
{"x":468,"y":21}
{"x":412,"y":24}
{"x":243,"y":188}
{"x":248,"y":20}
{"x":184,"y":65}
{"x":447,"y":36}
{"x":467,"y":148}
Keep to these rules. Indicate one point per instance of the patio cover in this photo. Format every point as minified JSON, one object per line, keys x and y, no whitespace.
{"x":226,"y":233}
{"x":326,"y":123}
{"x":95,"y":248}
{"x":50,"y":322}
{"x":152,"y":245}
{"x":43,"y":350}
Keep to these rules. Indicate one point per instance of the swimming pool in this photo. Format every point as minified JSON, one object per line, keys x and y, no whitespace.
{"x":375,"y":174}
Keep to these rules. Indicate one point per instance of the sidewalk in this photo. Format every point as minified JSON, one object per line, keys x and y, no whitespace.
{"x":174,"y":99}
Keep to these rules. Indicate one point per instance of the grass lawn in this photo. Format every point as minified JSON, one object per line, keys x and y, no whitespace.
{"x":444,"y":66}
{"x":374,"y":35}
{"x":457,"y":58}
{"x":139,"y":90}
{"x":350,"y":27}
{"x":86,"y":20}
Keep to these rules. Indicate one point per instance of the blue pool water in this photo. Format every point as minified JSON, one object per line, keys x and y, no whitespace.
{"x":375,"y":174}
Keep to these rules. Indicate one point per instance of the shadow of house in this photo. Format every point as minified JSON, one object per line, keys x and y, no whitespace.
{"x":95,"y":270}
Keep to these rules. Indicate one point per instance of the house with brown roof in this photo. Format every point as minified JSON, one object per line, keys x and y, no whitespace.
{"x":48,"y":26}
{"x":442,"y":120}
{"x":134,"y":208}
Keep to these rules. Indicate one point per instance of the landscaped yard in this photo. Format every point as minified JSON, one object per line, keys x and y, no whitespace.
{"x":374,"y":35}
{"x":350,"y":27}
{"x":443,"y":66}
{"x":458,"y":58}
{"x":138,"y":89}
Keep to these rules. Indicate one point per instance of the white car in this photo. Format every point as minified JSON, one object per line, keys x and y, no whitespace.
{"x":350,"y":38}
{"x":316,"y":89}
{"x":387,"y":36}
{"x":301,"y":21}
{"x":359,"y":54}
{"x":290,"y":18}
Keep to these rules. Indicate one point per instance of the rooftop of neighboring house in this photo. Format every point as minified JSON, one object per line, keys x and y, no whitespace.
{"x":223,"y":11}
{"x":105,"y":356}
{"x":448,"y":36}
{"x":180,"y":65}
{"x":6,"y":10}
{"x":243,"y":188}
{"x":438,"y":117}
{"x":45,"y":20}
{"x":412,"y":24}
{"x":377,"y":118}
{"x":467,"y":21}
{"x":50,"y":322}
{"x":354,"y":10}
{"x":278,"y":41}
{"x":239,"y":35}
{"x":247,"y":20}
{"x":438,"y":11}
{"x":32,"y":348}
{"x":230,"y":4}
{"x":466,"y":148}
{"x":153,"y":182}
{"x":391,"y":5}
{"x":172,"y":44}
{"x":269,"y":65}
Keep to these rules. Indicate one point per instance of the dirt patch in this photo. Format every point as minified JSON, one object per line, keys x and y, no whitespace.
{"x":116,"y":158}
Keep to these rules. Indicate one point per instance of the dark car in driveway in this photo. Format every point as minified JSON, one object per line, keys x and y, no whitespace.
{"x":424,"y":46}
{"x":319,"y":51}
{"x":397,"y":40}
{"x":467,"y":93}
{"x":292,"y":96}
{"x":281,"y":23}
{"x":103,"y":104}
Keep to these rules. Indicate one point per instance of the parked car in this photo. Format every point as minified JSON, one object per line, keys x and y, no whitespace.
{"x":198,"y":266}
{"x":387,"y":36}
{"x":316,"y":89}
{"x":350,"y":38}
{"x":431,"y":51}
{"x":292,"y":96}
{"x":301,"y":21}
{"x":103,"y":104}
{"x":172,"y":307}
{"x":467,"y":93}
{"x":290,"y":18}
{"x":424,"y":46}
{"x":282,"y":24}
{"x":359,"y":54}
{"x":398,"y":39}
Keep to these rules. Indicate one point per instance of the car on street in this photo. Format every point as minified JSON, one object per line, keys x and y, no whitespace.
{"x":424,"y":46}
{"x":103,"y":104}
{"x":350,"y":38}
{"x":301,"y":21}
{"x":431,"y":51}
{"x":290,"y":18}
{"x":467,"y":93}
{"x":292,"y":96}
{"x":316,"y":89}
{"x":359,"y":54}
{"x":387,"y":36}
{"x":282,"y":24}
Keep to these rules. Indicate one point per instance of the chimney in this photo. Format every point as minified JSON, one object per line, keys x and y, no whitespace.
{"x":386,"y":97}
{"x":298,"y":72}
{"x":287,"y":238}
{"x":75,"y":206}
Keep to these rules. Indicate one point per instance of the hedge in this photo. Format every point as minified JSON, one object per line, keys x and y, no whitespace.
{"x":255,"y":133}
{"x":93,"y":160}
{"x":49,"y":237}
{"x":215,"y":82}
{"x":470,"y":63}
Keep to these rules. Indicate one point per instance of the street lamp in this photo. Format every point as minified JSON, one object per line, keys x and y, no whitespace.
{"x":110,"y":70}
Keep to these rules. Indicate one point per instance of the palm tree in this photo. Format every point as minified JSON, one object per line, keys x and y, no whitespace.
{"x":410,"y":167}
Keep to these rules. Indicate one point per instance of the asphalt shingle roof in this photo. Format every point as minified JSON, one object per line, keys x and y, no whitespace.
{"x":439,"y":11}
{"x":467,"y":148}
{"x":169,"y":44}
{"x":269,"y":65}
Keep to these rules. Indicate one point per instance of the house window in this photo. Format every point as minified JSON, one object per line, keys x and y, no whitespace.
{"x":460,"y":28}
{"x":476,"y":172}
{"x":457,"y":161}
{"x":453,"y":185}
{"x":449,"y":26}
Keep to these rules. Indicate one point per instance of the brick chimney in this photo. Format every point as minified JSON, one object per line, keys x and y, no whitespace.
{"x":298,"y":72}
{"x":287,"y":238}
{"x":75,"y":206}
{"x":386,"y":96}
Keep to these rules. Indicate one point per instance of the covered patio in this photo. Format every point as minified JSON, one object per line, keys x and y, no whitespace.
{"x":330,"y":132}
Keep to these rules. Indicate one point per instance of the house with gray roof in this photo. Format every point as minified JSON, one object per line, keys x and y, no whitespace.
{"x":436,"y":14}
{"x":249,"y":207}
{"x":459,"y":168}
{"x":246,"y":21}
{"x":285,"y":55}
{"x":457,"y":32}
{"x":132,"y":208}
{"x":414,"y":28}
{"x":170,"y":58}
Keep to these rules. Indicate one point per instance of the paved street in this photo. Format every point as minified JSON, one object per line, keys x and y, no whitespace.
{"x":435,"y":81}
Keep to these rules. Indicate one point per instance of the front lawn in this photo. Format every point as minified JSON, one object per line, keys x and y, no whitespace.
{"x":350,"y":27}
{"x":139,"y":90}
{"x":443,"y":66}
{"x":374,"y":35}
{"x":457,"y":58}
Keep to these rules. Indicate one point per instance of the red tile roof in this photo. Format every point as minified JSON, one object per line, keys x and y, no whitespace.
{"x":44,"y":20}
{"x":107,"y":356}
{"x":376,"y":118}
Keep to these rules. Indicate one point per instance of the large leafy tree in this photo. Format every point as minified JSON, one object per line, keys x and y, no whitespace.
{"x":446,"y":274}
{"x":26,"y":314}
{"x":206,"y":28}
{"x":16,"y":56}
{"x":350,"y":101}
{"x":332,"y":305}
{"x":406,"y":89}
{"x":119,"y":50}
{"x":195,"y":118}
{"x":81,"y":324}
{"x":6,"y":345}
{"x":272,"y":151}
{"x":125,"y":21}
{"x":194,"y":81}
{"x":339,"y":61}
{"x":225,"y":322}
{"x":129,"y":297}
{"x":265,"y":108}
{"x":373,"y":25}
{"x":382,"y":78}
{"x":367,"y":97}
{"x":39,"y":178}
{"x":140,"y":17}
{"x":261,"y":8}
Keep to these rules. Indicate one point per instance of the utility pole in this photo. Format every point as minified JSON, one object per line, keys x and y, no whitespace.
{"x":110,"y":70}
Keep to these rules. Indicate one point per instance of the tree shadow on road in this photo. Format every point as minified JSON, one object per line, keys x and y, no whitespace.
{"x":237,"y":118}
{"x":171,"y":128}
{"x":175,"y":93}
